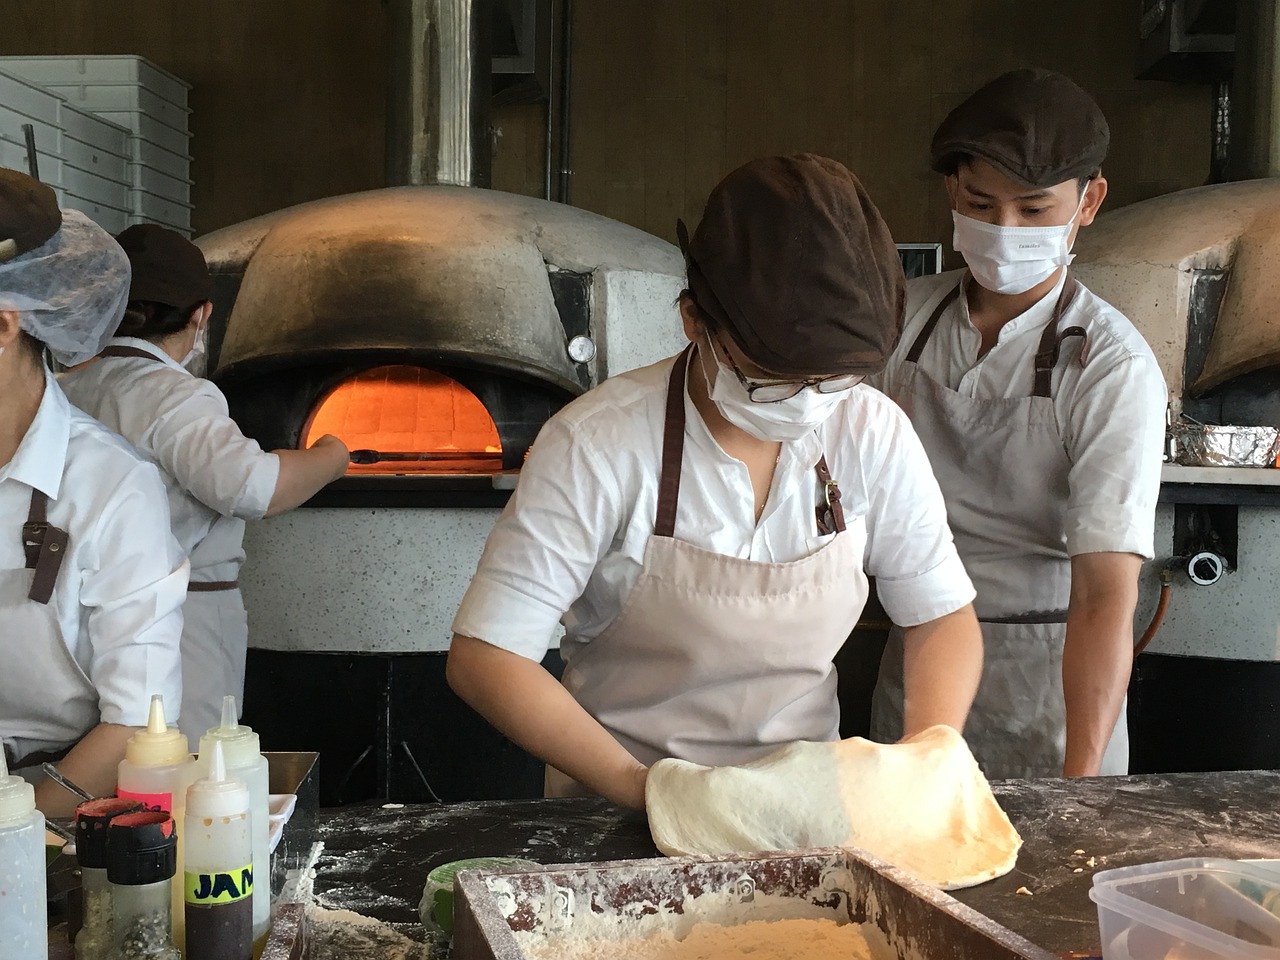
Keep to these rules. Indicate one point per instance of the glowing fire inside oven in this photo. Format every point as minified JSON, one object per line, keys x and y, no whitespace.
{"x":414,"y":420}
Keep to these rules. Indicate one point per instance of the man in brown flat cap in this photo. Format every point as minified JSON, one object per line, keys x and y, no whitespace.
{"x":703,"y":528}
{"x":1042,"y":410}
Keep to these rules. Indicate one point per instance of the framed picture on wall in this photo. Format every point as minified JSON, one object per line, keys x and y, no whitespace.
{"x":920,"y":259}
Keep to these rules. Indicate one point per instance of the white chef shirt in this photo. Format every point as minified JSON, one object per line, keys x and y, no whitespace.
{"x":571,"y":540}
{"x":1108,"y":396}
{"x":216,"y":476}
{"x":123,"y":580}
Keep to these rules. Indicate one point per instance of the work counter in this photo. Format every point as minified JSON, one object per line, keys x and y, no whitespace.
{"x":375,"y":858}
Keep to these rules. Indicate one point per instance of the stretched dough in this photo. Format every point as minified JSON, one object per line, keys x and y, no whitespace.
{"x":922,"y":805}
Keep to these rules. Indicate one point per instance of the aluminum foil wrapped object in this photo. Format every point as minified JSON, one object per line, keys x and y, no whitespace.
{"x":1206,"y":445}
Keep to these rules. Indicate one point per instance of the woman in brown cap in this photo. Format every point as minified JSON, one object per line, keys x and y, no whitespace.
{"x":217,"y":478}
{"x":704,"y":527}
{"x":91,"y":580}
{"x":1042,"y":410}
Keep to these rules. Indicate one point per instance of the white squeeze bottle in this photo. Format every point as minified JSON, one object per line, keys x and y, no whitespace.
{"x":242,"y":754}
{"x":219,"y":881}
{"x":23,"y":925}
{"x":156,"y":770}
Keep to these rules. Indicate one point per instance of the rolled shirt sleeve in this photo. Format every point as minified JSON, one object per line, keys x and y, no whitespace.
{"x":132,"y":590}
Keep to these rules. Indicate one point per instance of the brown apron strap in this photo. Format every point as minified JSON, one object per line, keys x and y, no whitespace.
{"x":672,"y":449}
{"x":1051,"y":340}
{"x":212,"y":586}
{"x":830,"y":510}
{"x":913,"y":355}
{"x":118,"y":351}
{"x":35,"y":758}
{"x":45,"y":547}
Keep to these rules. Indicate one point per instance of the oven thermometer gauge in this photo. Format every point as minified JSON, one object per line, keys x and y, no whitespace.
{"x":582,"y":350}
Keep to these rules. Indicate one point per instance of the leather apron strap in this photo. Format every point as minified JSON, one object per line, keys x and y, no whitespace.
{"x":45,"y":547}
{"x":1050,"y":341}
{"x":118,"y":351}
{"x":830,"y":512}
{"x":212,"y":586}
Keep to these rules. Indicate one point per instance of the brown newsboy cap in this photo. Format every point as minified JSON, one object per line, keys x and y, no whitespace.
{"x":29,"y":214}
{"x":793,"y":260}
{"x":1037,"y":127}
{"x":167,"y":267}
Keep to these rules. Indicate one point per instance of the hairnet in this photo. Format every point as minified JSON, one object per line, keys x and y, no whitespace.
{"x":71,"y":290}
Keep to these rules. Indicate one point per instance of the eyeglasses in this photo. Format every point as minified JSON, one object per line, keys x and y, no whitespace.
{"x":774,"y":391}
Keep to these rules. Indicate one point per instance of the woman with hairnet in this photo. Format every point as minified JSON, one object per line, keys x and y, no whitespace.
{"x":143,"y":388}
{"x":91,"y":579}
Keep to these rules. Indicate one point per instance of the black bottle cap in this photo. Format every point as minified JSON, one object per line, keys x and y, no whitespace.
{"x":142,"y":848}
{"x":92,"y":818}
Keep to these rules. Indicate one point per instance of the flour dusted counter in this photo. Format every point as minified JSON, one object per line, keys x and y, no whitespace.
{"x":375,"y":859}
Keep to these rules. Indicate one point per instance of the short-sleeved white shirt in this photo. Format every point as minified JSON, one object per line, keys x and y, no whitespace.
{"x":216,"y":476}
{"x":570,"y":544}
{"x":123,"y":580}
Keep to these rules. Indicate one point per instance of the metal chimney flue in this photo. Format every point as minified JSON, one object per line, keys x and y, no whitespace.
{"x":438,"y":92}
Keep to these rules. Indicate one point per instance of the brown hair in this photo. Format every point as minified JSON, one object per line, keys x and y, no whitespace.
{"x":149,"y":320}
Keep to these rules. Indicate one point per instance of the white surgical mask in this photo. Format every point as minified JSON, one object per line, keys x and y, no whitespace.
{"x":778,"y":422}
{"x":1012,"y":260}
{"x":197,"y":359}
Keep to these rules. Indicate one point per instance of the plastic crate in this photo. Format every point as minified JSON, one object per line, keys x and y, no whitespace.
{"x":13,"y":155}
{"x":153,"y":181}
{"x":153,"y":209}
{"x":88,"y":157}
{"x":107,"y":69}
{"x":111,"y":219}
{"x":149,"y":128}
{"x":122,"y":97}
{"x":22,"y":96}
{"x":94,"y":130}
{"x":90,"y":186}
{"x":158,"y":158}
{"x":48,"y":136}
{"x":1203,"y":908}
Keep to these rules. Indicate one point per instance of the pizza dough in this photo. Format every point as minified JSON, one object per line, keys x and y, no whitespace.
{"x":923,"y":805}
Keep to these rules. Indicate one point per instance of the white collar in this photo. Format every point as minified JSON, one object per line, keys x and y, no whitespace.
{"x":146,"y":345}
{"x":1034,"y":317}
{"x":41,"y":457}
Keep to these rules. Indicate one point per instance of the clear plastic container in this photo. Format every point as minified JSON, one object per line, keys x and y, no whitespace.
{"x":22,"y":876}
{"x":1198,"y":908}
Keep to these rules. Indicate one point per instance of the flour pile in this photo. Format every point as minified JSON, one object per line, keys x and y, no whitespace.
{"x":923,"y":805}
{"x":759,"y":939}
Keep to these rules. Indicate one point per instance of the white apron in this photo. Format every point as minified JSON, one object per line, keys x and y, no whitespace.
{"x":215,"y":634}
{"x":715,"y":659}
{"x":1003,"y":471}
{"x":43,"y":691}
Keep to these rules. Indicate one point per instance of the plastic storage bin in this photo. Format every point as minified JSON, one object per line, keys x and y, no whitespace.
{"x":103,"y":98}
{"x":14,"y":156}
{"x":149,"y":128}
{"x":1199,"y":908}
{"x":92,"y":129}
{"x":20,"y":95}
{"x":104,"y":69}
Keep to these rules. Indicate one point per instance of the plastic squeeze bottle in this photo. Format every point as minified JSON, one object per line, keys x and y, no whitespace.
{"x":142,"y":856}
{"x":23,"y":924}
{"x":156,"y":770}
{"x":242,"y":753}
{"x":94,"y":940}
{"x":218,"y":884}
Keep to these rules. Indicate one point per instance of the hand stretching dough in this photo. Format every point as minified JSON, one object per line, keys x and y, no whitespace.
{"x":922,"y":805}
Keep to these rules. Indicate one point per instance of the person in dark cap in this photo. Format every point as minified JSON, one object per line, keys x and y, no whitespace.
{"x":1042,"y":410}
{"x":91,"y":580}
{"x":704,"y":527}
{"x":217,"y":478}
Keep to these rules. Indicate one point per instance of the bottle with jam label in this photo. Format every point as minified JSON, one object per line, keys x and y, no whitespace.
{"x":219,"y":867}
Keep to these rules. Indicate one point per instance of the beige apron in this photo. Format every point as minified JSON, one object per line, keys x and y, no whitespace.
{"x":1003,"y":471}
{"x":715,"y":659}
{"x":43,"y":691}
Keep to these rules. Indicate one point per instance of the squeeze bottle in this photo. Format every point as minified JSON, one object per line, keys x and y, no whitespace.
{"x":218,"y":882}
{"x":156,"y":770}
{"x":23,"y":926}
{"x":242,"y":754}
{"x":94,"y":940}
{"x":141,"y":859}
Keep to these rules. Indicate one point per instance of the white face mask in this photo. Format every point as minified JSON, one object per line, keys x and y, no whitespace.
{"x":197,"y":359}
{"x":1012,"y":260}
{"x":777,"y":422}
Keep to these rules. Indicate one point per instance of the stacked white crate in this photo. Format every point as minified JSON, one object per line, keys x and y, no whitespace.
{"x":150,"y":103}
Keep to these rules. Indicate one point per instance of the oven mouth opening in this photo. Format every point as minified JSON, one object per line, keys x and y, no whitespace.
{"x":404,"y":420}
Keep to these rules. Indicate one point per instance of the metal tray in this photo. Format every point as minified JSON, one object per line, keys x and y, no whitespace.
{"x":495,"y":911}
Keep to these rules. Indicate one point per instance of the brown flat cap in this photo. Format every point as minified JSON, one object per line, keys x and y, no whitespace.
{"x":1037,"y":127}
{"x":167,"y":267}
{"x":29,"y":214}
{"x":793,"y":260}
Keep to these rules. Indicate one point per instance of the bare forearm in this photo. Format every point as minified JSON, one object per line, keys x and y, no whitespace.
{"x":92,"y":764}
{"x":304,"y":472}
{"x":1097,"y":657}
{"x":531,"y":707}
{"x":942,"y":662}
